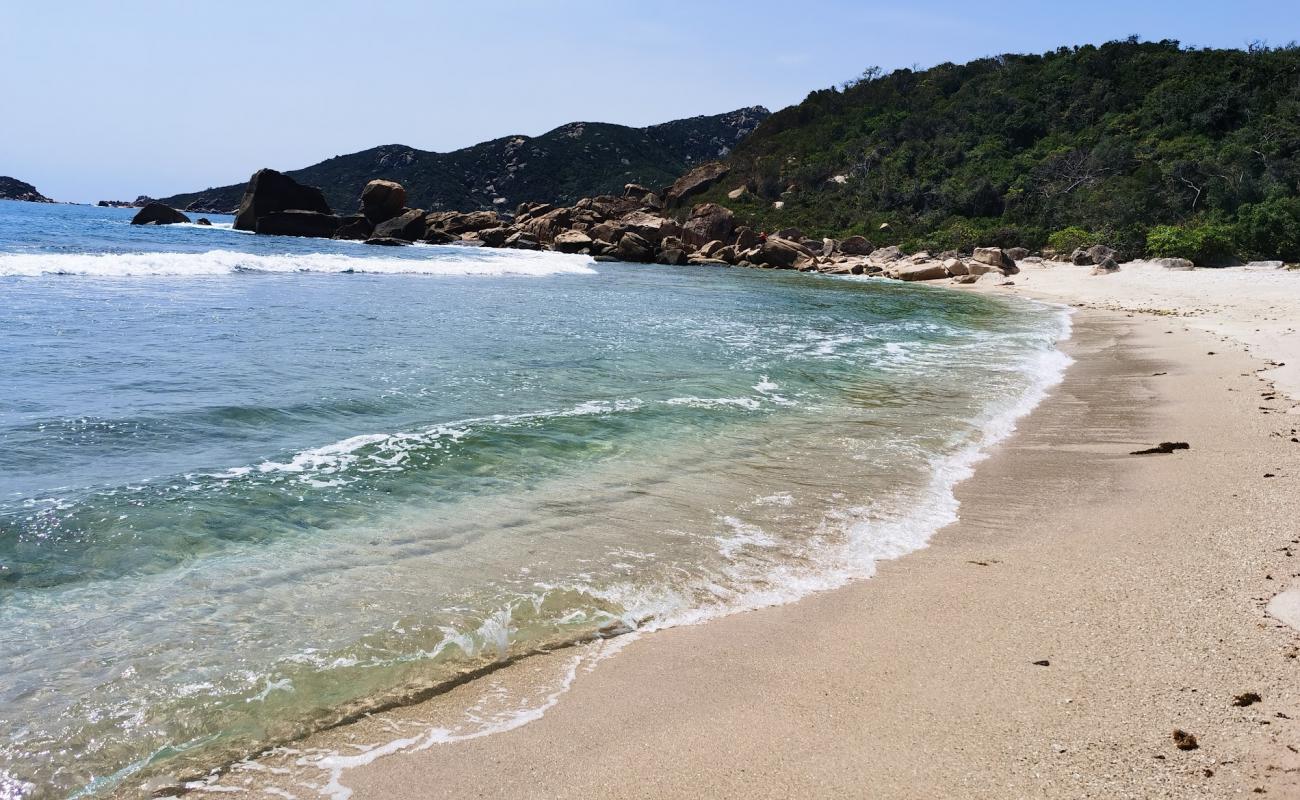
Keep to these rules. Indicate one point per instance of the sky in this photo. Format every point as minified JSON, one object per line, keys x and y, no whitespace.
{"x":109,"y":99}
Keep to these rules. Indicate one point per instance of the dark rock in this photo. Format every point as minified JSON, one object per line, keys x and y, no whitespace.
{"x":522,"y":241}
{"x":387,"y":241}
{"x":995,"y":257}
{"x":355,"y":227}
{"x":856,"y":246}
{"x":204,"y":221}
{"x":783,"y":254}
{"x":1184,"y":740}
{"x":698,"y":180}
{"x":158,"y":214}
{"x":14,"y":189}
{"x":708,"y":221}
{"x":382,"y":200}
{"x":792,"y":234}
{"x":572,"y":242}
{"x":651,"y":227}
{"x":1043,"y":663}
{"x":269,"y":191}
{"x":547,"y":226}
{"x":298,"y":223}
{"x":633,"y":246}
{"x":1099,"y":253}
{"x":1163,"y":447}
{"x":746,"y":239}
{"x":1106,"y":266}
{"x":438,"y":237}
{"x":471,"y":221}
{"x":495,"y":237}
{"x":674,"y":256}
{"x":1080,"y":257}
{"x":409,"y":226}
{"x":636,"y":192}
{"x":1246,"y":699}
{"x":1016,"y":253}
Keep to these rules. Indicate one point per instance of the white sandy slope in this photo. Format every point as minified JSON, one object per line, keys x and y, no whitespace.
{"x":1258,"y":308}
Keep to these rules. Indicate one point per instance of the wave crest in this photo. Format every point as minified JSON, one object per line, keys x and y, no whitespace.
{"x":439,"y":261}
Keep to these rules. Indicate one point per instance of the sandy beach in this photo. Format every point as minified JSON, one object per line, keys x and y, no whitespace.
{"x":1088,"y":604}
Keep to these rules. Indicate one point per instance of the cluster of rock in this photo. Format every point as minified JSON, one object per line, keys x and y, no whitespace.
{"x":637,"y":226}
{"x":14,"y":189}
{"x":1101,"y":257}
{"x":140,"y":202}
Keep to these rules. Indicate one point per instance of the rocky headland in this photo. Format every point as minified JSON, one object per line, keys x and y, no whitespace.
{"x":561,"y":166}
{"x":639,"y":225}
{"x":14,"y":189}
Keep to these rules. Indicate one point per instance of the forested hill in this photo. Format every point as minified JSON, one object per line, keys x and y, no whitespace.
{"x":581,"y":159}
{"x":1145,"y":146}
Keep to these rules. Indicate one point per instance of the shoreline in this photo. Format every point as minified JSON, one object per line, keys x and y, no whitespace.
{"x":688,"y":688}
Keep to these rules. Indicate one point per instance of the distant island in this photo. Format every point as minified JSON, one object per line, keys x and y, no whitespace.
{"x":580,"y":159}
{"x":14,"y":189}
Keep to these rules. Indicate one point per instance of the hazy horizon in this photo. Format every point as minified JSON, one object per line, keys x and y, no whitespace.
{"x":115,"y":102}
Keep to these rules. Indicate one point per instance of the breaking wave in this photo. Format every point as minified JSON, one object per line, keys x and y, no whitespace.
{"x":420,"y":261}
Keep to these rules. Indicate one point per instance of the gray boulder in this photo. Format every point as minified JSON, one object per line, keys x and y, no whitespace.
{"x":356,"y":227}
{"x":382,"y":200}
{"x":158,"y":214}
{"x":856,"y":246}
{"x":572,"y":242}
{"x":296,"y":222}
{"x":409,"y":226}
{"x":708,"y":221}
{"x":269,"y":191}
{"x":633,"y":246}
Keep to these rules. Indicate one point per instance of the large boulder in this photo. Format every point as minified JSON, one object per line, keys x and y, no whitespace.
{"x":746,"y":239}
{"x":158,"y":214}
{"x":382,"y":200}
{"x":673,"y":256}
{"x":572,"y":242}
{"x":354,"y":227}
{"x":924,"y":271}
{"x":458,"y":223}
{"x":708,"y":221}
{"x":1099,"y":253}
{"x":522,"y":241}
{"x":495,"y":237}
{"x":886,"y":255}
{"x":408,"y":226}
{"x":547,"y":226}
{"x":783,"y":254}
{"x":633,"y":246}
{"x":1107,"y":266}
{"x":298,"y":223}
{"x":698,"y":180}
{"x":651,"y":227}
{"x":269,"y":191}
{"x":1175,"y":263}
{"x":856,"y":246}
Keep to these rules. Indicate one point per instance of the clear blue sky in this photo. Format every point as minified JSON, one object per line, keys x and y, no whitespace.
{"x":107,"y":99}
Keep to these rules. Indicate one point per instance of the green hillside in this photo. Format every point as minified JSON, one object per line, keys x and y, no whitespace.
{"x":581,"y":159}
{"x":1148,"y":147}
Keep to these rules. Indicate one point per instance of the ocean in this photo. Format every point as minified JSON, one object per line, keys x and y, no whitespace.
{"x":253,"y":486}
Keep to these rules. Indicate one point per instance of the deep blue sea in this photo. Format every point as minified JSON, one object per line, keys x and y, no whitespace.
{"x":251,"y":485}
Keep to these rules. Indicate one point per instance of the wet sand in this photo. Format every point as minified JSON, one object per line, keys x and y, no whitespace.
{"x":1141,"y":581}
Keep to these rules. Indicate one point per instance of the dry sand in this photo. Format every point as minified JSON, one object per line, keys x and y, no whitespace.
{"x":1141,"y":581}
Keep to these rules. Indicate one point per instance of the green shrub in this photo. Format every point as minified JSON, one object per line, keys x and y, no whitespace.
{"x":1270,"y":229}
{"x":1208,"y":244}
{"x":1067,"y":240}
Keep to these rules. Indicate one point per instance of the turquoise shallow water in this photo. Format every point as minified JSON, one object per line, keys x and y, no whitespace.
{"x":251,"y":485}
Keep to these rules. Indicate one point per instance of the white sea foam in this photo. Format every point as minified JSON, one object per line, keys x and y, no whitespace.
{"x":440,"y":261}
